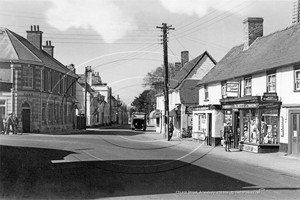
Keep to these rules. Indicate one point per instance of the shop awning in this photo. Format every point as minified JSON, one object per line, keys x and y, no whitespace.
{"x":155,"y":114}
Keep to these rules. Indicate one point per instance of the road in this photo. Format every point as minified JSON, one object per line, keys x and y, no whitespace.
{"x":125,"y":164}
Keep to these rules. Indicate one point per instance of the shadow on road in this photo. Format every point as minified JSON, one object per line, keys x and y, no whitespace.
{"x":31,"y":173}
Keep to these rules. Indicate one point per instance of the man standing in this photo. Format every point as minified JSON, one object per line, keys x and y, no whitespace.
{"x":8,"y":124}
{"x":15,"y":122}
{"x":227,"y":136}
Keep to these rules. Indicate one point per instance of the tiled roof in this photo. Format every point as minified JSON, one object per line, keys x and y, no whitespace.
{"x":186,"y":70}
{"x":188,"y":92}
{"x":17,"y":48}
{"x":268,"y":52}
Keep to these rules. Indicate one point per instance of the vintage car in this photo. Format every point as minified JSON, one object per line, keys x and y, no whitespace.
{"x":139,"y":121}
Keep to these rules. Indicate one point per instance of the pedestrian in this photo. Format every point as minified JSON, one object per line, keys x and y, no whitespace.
{"x":171,"y":129}
{"x":8,"y":124}
{"x":1,"y":125}
{"x":227,"y":136}
{"x":15,"y":122}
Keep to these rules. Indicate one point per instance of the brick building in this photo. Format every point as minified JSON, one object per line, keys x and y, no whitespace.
{"x":34,"y":85}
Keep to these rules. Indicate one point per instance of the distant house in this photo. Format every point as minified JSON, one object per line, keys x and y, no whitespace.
{"x":34,"y":85}
{"x":183,"y":93}
{"x":255,"y":87}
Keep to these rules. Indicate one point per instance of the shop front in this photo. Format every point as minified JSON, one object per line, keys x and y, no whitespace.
{"x":255,"y":123}
{"x":208,"y":124}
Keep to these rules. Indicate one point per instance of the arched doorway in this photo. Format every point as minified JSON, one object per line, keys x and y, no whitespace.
{"x":26,"y":117}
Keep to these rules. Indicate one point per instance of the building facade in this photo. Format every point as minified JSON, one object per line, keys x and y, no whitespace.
{"x":255,"y":87}
{"x":34,"y":85}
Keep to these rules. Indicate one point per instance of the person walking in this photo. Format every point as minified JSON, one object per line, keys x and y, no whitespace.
{"x":8,"y":124}
{"x":227,"y":136}
{"x":171,"y":129}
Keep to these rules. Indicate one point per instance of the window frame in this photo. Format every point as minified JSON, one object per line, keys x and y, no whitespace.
{"x":26,"y":78}
{"x":297,"y":80}
{"x":50,"y":80}
{"x":247,"y":87}
{"x":273,"y":74}
{"x":206,"y":94}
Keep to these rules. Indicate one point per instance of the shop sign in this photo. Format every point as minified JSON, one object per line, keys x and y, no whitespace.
{"x":201,"y":108}
{"x":236,"y":106}
{"x":250,"y":148}
{"x":269,"y":105}
{"x":270,"y":97}
{"x":232,"y":89}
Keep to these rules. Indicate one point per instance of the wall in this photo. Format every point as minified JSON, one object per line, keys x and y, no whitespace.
{"x":214,"y":94}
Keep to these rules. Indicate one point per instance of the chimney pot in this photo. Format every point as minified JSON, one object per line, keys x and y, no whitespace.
{"x":31,"y":28}
{"x":34,"y":27}
{"x":46,"y":42}
{"x":49,"y":42}
{"x":38,"y":27}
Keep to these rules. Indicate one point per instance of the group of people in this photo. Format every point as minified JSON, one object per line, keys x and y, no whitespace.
{"x":10,"y":123}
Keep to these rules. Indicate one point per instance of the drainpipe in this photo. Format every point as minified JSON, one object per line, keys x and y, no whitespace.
{"x":13,"y":86}
{"x":41,"y":96}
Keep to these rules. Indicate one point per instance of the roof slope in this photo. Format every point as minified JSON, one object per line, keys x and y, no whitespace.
{"x":21,"y":50}
{"x":188,"y":92}
{"x":187,"y":70}
{"x":268,"y":52}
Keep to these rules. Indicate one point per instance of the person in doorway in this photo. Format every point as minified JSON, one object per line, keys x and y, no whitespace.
{"x":8,"y":124}
{"x":171,"y":129}
{"x":227,"y":136}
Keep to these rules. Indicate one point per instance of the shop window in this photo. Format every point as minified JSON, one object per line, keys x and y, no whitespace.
{"x":269,"y":127}
{"x":43,"y":112}
{"x":49,"y":113}
{"x":248,"y":86}
{"x":206,"y":93}
{"x":250,"y":126}
{"x":297,"y":80}
{"x":55,"y":119}
{"x":2,"y":108}
{"x":202,"y":123}
{"x":27,"y":76}
{"x":271,"y":83}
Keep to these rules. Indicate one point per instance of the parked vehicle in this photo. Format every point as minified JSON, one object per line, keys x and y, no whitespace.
{"x":139,"y":121}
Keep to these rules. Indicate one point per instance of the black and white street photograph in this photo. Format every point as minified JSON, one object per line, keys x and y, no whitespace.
{"x":149,"y":99}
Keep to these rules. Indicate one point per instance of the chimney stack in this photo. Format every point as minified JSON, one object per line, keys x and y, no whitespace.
{"x":184,"y":57}
{"x":34,"y":36}
{"x":177,"y":66}
{"x":48,"y":48}
{"x":253,"y":28}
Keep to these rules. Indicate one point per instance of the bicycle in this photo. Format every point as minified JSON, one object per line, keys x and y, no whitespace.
{"x":185,"y":134}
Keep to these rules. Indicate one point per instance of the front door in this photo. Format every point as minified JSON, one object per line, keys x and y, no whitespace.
{"x":26,"y":120}
{"x":236,"y":129}
{"x":295,"y":142}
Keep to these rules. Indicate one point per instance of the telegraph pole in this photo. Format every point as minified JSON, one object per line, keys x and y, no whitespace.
{"x":165,"y":29}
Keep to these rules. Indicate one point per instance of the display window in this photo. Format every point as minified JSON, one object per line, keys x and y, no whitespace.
{"x":250,"y":121}
{"x":269,"y":127}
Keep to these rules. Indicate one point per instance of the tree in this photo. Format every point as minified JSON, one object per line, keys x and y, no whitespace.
{"x":155,"y":79}
{"x":145,"y":102}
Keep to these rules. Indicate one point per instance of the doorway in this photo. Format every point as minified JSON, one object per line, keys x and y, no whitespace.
{"x":26,"y":120}
{"x":209,"y":142}
{"x":295,"y":134}
{"x":236,"y":129}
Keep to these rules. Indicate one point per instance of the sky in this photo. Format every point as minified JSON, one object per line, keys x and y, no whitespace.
{"x":120,"y":39}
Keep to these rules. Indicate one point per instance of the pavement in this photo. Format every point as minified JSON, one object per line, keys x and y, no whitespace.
{"x":288,"y":165}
